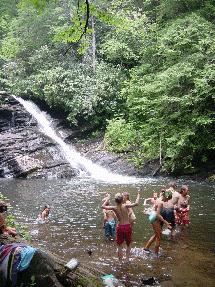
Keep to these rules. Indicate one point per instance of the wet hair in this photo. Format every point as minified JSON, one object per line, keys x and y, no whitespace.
{"x":126,"y":194}
{"x":118,"y":198}
{"x":184,"y":188}
{"x":46,"y":206}
{"x":172,"y":184}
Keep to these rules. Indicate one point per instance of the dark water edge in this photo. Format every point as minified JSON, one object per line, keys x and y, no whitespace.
{"x":75,"y":227}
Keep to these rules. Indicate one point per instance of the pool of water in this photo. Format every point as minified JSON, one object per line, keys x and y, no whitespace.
{"x":75,"y":226}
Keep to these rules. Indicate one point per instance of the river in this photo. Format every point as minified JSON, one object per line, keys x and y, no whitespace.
{"x":75,"y":226}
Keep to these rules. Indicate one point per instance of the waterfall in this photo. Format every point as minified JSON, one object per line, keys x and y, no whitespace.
{"x":82,"y":164}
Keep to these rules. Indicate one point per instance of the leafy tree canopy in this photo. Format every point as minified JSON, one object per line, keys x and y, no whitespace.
{"x":143,"y":71}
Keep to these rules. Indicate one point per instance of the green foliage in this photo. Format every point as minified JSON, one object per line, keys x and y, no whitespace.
{"x":177,"y":102}
{"x":148,"y":74}
{"x":38,"y":4}
{"x":122,"y":45}
{"x":9,"y":48}
{"x":21,"y":230}
{"x":78,"y":27}
{"x":120,"y":136}
{"x":80,"y":93}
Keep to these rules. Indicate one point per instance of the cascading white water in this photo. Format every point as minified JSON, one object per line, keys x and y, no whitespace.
{"x":76,"y":161}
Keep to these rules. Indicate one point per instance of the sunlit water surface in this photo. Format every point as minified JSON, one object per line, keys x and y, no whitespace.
{"x":75,"y":226}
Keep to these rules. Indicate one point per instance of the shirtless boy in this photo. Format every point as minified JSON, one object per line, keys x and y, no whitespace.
{"x":175,"y":194}
{"x":126,"y":200}
{"x":124,"y":228}
{"x":151,"y":200}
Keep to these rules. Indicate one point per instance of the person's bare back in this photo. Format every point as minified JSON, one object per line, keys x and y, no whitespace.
{"x":121,"y":209}
{"x":124,"y":227}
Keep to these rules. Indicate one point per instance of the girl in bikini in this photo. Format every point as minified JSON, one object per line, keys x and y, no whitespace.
{"x":157,"y":223}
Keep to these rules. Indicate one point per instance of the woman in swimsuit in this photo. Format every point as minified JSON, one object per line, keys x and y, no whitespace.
{"x":158,"y":222}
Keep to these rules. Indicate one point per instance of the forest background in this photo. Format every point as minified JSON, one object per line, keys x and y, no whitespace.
{"x":141,"y":73}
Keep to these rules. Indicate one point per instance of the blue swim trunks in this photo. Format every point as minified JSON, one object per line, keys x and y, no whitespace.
{"x":110,"y":228}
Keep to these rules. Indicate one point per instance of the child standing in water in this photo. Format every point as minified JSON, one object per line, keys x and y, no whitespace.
{"x":157,"y":223}
{"x":152,"y":200}
{"x":175,"y":194}
{"x":183,"y":208}
{"x":126,"y":200}
{"x":124,"y":228}
{"x":109,"y":222}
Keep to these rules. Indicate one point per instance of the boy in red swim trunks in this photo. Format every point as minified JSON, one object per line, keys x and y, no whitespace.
{"x":124,"y":229}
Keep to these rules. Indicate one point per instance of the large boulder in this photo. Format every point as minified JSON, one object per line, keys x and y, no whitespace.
{"x":47,"y":270}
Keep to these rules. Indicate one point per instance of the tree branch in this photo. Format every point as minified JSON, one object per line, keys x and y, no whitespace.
{"x":85,"y":26}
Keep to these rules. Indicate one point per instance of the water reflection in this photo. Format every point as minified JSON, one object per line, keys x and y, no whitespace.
{"x":75,"y":227}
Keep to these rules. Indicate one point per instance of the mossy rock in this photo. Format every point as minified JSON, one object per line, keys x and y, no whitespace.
{"x":211,"y":178}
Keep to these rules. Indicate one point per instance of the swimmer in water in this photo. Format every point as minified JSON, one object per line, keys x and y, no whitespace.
{"x":44,"y":214}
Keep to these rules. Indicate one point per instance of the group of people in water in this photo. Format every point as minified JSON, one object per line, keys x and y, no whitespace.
{"x":170,"y":208}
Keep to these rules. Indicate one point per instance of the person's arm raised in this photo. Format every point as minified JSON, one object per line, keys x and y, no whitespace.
{"x":136,"y":203}
{"x":107,"y":207}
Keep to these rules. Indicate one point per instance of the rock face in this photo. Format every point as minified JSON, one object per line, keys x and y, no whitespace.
{"x":47,"y":270}
{"x":24,"y":151}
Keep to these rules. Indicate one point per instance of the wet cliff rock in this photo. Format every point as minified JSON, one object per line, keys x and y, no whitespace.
{"x":24,"y":151}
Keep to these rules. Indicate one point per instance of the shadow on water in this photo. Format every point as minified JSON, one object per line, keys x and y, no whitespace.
{"x":75,"y":230}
